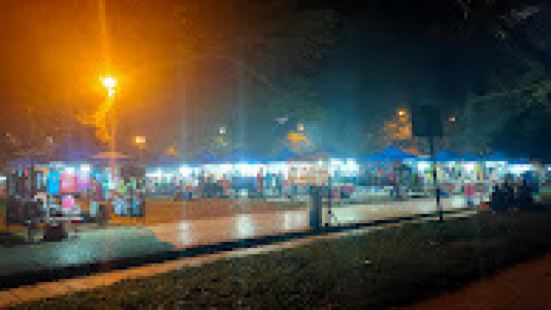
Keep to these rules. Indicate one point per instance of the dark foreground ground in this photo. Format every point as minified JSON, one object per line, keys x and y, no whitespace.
{"x":523,"y":286}
{"x":385,"y":268}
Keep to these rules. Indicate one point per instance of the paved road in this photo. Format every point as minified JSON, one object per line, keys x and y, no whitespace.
{"x":106,"y":244}
{"x":203,"y":231}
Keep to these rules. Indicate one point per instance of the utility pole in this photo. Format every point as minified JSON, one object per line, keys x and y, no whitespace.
{"x":468,"y":114}
{"x":435,"y":180}
{"x":426,"y":122}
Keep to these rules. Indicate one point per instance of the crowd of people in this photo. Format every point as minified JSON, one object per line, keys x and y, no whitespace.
{"x":511,"y":195}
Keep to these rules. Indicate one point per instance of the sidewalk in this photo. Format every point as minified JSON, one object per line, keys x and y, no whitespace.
{"x":524,"y":286}
{"x":104,"y":245}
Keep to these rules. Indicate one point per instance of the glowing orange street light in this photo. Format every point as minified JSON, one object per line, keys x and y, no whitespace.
{"x":109,"y":83}
{"x":402,"y":112}
{"x":140,"y":140}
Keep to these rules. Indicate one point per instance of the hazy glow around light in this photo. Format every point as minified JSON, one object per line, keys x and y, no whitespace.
{"x":140,"y":140}
{"x":108,"y":82}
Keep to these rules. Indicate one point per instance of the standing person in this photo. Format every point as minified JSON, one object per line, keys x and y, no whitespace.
{"x":260,"y":184}
{"x":524,"y":192}
{"x":392,"y":181}
{"x":97,"y":197}
{"x":469,"y":192}
{"x":509,"y":194}
{"x":497,"y":200}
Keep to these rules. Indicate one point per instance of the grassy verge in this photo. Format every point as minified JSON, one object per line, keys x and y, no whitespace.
{"x":385,"y":268}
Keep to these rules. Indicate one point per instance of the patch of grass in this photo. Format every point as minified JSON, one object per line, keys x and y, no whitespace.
{"x":385,"y":268}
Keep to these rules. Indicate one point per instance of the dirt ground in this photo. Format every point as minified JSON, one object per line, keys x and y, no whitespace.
{"x":524,"y":286}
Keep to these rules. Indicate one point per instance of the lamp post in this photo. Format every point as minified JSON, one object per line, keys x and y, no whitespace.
{"x":140,"y":142}
{"x":110,"y":83}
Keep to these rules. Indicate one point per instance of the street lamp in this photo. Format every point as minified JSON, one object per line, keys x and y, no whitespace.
{"x":402,"y":112}
{"x":109,"y":83}
{"x":140,"y":141}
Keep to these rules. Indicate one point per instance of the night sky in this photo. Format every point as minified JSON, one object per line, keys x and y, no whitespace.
{"x":384,"y":55}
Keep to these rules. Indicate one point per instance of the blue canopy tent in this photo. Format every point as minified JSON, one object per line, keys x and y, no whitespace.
{"x":285,"y":155}
{"x":391,"y":154}
{"x":167,"y":161}
{"x":520,"y":161}
{"x":470,"y":156}
{"x":240,"y":156}
{"x":446,"y":155}
{"x":497,"y":156}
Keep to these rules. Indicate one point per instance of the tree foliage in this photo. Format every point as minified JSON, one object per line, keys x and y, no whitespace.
{"x":273,"y":66}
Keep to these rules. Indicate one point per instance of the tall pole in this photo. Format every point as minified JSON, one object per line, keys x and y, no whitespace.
{"x":469,"y":116}
{"x":435,"y":178}
{"x":330,"y":200}
{"x":113,"y":161}
{"x":142,"y":166}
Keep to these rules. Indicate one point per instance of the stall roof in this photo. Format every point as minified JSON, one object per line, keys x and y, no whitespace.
{"x":285,"y":155}
{"x":497,"y":156}
{"x":165,"y":160}
{"x":391,"y":154}
{"x":470,"y":156}
{"x":75,"y":149}
{"x":243,"y":156}
{"x":446,"y":155}
{"x":110,"y":155}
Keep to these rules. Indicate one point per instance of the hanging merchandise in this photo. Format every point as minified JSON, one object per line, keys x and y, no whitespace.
{"x":68,"y":182}
{"x":67,"y":202}
{"x":53,"y":182}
